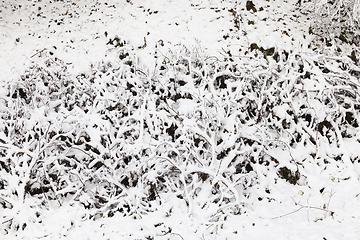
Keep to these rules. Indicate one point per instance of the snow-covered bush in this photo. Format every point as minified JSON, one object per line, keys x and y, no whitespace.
{"x":121,"y":139}
{"x":114,"y":140}
{"x":336,"y":19}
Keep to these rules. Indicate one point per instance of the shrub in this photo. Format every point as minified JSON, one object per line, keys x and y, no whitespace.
{"x":119,"y":140}
{"x":336,"y":19}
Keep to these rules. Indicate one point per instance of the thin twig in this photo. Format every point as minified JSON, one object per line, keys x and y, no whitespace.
{"x":301,"y":207}
{"x":38,"y":52}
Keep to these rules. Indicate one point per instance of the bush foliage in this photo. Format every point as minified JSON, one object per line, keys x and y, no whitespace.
{"x":121,"y":139}
{"x":335,"y":19}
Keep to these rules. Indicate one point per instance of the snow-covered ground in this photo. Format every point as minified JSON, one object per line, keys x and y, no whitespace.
{"x":85,"y":35}
{"x":77,"y":32}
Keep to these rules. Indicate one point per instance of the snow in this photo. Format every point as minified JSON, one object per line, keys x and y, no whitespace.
{"x":251,"y":204}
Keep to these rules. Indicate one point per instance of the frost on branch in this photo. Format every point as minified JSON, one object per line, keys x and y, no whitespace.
{"x":118,"y":140}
